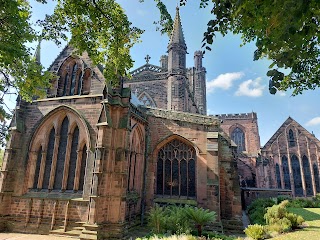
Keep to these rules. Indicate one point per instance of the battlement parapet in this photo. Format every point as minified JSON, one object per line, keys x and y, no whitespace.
{"x":237,"y":116}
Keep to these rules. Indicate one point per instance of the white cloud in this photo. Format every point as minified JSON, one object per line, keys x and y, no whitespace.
{"x":281,"y":93}
{"x":223,"y":81}
{"x":313,"y":121}
{"x":250,"y":88}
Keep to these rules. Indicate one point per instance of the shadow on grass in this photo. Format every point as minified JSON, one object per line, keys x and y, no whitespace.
{"x":310,"y":214}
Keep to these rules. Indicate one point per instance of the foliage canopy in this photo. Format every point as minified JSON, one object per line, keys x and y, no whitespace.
{"x":287,"y":32}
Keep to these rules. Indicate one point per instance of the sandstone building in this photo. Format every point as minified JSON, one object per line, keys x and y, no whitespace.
{"x":89,"y":160}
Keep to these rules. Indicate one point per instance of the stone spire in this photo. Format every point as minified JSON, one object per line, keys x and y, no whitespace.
{"x":177,"y":48}
{"x":37,"y":53}
{"x":177,"y":33}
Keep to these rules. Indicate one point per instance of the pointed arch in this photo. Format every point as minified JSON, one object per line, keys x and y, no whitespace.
{"x":291,"y":138}
{"x":176,"y":169}
{"x":146,"y":99}
{"x":62,"y":154}
{"x":238,"y":136}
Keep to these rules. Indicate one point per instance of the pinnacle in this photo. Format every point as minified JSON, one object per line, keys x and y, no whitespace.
{"x":177,"y":33}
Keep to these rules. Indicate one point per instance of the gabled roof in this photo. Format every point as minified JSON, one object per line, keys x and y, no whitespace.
{"x":282,"y":128}
{"x":177,"y":33}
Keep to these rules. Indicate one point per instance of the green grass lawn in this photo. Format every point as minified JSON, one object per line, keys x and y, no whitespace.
{"x":311,"y":231}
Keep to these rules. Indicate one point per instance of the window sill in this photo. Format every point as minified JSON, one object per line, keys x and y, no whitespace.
{"x":45,"y":194}
{"x":175,"y":200}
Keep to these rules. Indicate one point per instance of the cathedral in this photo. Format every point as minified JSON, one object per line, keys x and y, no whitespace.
{"x":89,"y":160}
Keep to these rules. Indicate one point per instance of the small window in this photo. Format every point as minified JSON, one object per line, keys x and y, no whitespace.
{"x":291,"y":140}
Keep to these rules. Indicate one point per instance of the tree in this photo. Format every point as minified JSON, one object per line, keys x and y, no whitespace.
{"x":99,"y":27}
{"x":200,"y":217}
{"x":287,"y":32}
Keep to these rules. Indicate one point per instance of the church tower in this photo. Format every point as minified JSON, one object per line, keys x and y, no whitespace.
{"x":177,"y":95}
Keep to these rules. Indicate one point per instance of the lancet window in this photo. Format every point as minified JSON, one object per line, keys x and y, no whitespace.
{"x":238,"y":137}
{"x":296,"y":175}
{"x":307,"y":175}
{"x":286,"y":173}
{"x":176,"y":168}
{"x":291,"y":139}
{"x":278,"y":176}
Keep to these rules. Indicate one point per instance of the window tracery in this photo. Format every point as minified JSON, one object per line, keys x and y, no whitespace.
{"x":238,"y":137}
{"x":63,"y":161}
{"x":74,"y":79}
{"x":176,"y":170}
{"x":146,"y":100}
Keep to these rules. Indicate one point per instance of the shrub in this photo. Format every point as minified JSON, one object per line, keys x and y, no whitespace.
{"x":157,"y":219}
{"x":255,"y":231}
{"x":177,"y":220}
{"x":296,"y":220}
{"x":200,"y":217}
{"x":276,"y":212}
{"x":257,"y":209}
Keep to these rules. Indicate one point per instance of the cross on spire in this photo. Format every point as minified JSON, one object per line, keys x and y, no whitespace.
{"x":147,"y":58}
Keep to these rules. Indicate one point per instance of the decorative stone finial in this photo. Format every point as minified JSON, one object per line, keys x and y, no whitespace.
{"x":147,"y":58}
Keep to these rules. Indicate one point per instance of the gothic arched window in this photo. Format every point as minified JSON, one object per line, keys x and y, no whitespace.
{"x":64,"y":165}
{"x":176,"y":168}
{"x":238,"y":137}
{"x":74,"y":80}
{"x":146,"y":100}
{"x":296,"y":175}
{"x":278,"y":176}
{"x":291,"y":140}
{"x":316,"y":177}
{"x":307,"y":175}
{"x":286,"y":173}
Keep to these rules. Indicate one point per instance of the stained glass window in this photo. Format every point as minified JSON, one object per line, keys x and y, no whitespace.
{"x":61,"y":154}
{"x":291,"y":140}
{"x":238,"y":137}
{"x":286,"y":173}
{"x":176,"y":170}
{"x":278,"y":175}
{"x":79,"y":83}
{"x":47,"y":169}
{"x":316,"y":177}
{"x":73,"y":159}
{"x":38,"y":163}
{"x":296,"y":175}
{"x":307,"y":176}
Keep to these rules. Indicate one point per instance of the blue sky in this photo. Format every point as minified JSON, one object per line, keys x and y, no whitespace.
{"x":235,"y":83}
